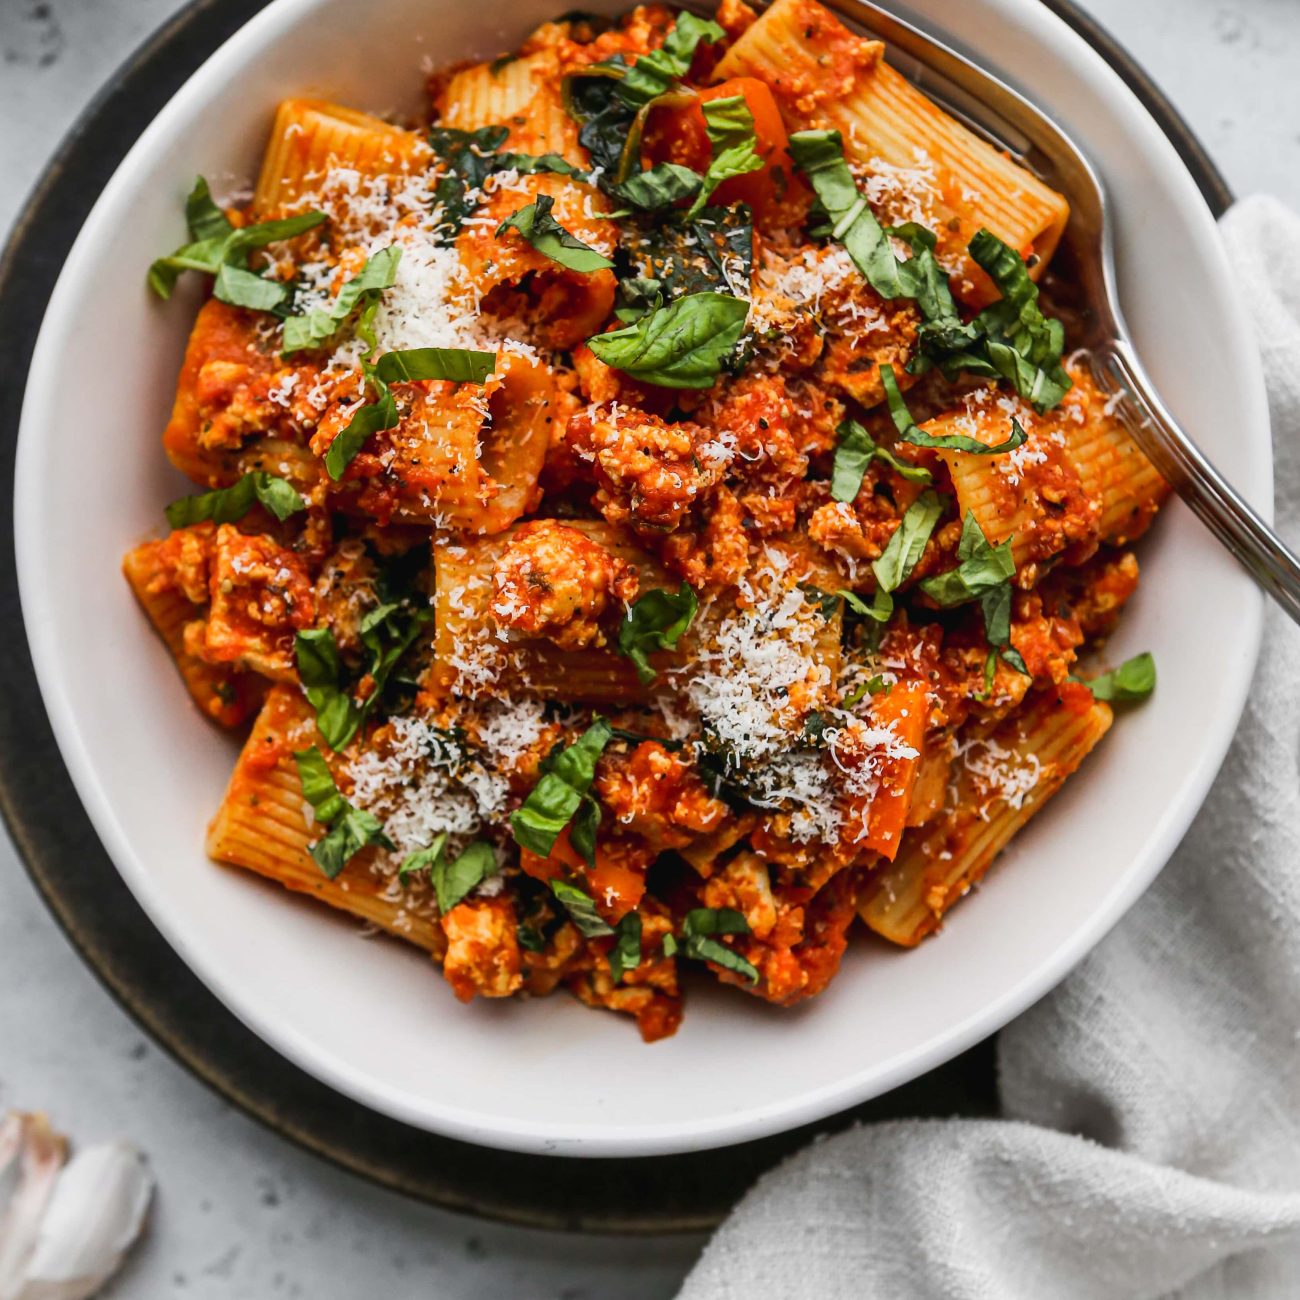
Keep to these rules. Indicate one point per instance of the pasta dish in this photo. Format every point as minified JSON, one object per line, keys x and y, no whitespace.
{"x":648,"y":514}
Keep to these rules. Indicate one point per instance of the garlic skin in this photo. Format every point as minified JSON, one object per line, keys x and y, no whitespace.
{"x":66,"y":1229}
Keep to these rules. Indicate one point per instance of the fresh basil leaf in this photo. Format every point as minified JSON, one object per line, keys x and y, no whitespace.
{"x":319,"y":326}
{"x":656,"y":621}
{"x":529,"y":939}
{"x":907,"y":542}
{"x":536,"y":224}
{"x":583,"y":828}
{"x":980,"y":568}
{"x":528,"y":164}
{"x":452,"y":881}
{"x":854,"y":452}
{"x":909,"y":432}
{"x":659,"y":70}
{"x":203,"y":218}
{"x":468,"y":159}
{"x":625,"y":956}
{"x":820,"y":156}
{"x":242,"y":288}
{"x":423,"y":859}
{"x":556,"y":797}
{"x":1134,"y":679}
{"x":670,"y":945}
{"x":873,"y":686}
{"x":881,"y":609}
{"x":730,"y":127}
{"x":581,"y":908}
{"x":226,"y":505}
{"x":217,"y":244}
{"x":318,"y":786}
{"x":638,"y":298}
{"x":827,"y":602}
{"x":995,"y":605}
{"x":612,"y":100}
{"x":715,"y":251}
{"x":366,"y":420}
{"x":682,"y":345}
{"x":321,"y":672}
{"x":1024,"y":346}
{"x":350,"y":829}
{"x":459,"y":365}
{"x":659,"y":187}
{"x":699,"y":929}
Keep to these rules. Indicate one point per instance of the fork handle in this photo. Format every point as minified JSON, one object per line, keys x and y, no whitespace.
{"x":1214,"y":501}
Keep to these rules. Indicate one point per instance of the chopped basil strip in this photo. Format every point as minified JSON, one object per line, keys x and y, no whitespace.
{"x":698,"y":940}
{"x":995,"y":605}
{"x":1133,"y":680}
{"x":909,"y":432}
{"x":225,"y":505}
{"x":581,"y":908}
{"x":656,"y":621}
{"x":714,"y":251}
{"x":468,"y":160}
{"x":625,"y":956}
{"x":528,"y":163}
{"x":1011,"y":339}
{"x":366,"y":419}
{"x":682,"y":345}
{"x":730,"y":126}
{"x":612,"y":100}
{"x":453,"y":880}
{"x":980,"y":568}
{"x":881,"y":609}
{"x":459,"y":365}
{"x":321,"y":672}
{"x":423,"y":859}
{"x":820,"y":156}
{"x":219,"y":248}
{"x":320,"y":325}
{"x":583,"y":828}
{"x":854,"y":452}
{"x":657,"y":71}
{"x":1023,"y":346}
{"x":556,"y":797}
{"x":659,"y":187}
{"x":350,"y":829}
{"x":387,"y":633}
{"x":907,"y":542}
{"x":536,"y":224}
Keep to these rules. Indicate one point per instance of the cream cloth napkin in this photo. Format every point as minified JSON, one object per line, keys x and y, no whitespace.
{"x":1151,"y":1145}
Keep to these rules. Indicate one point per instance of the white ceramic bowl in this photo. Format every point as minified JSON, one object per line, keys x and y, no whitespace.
{"x":372,"y":1018}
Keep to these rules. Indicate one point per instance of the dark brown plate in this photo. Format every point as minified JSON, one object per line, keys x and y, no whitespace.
{"x":87,"y":896}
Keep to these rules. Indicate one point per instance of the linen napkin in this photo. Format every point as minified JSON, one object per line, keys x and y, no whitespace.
{"x":1151,"y":1145}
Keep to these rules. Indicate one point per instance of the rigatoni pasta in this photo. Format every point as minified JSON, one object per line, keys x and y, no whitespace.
{"x":645,"y":512}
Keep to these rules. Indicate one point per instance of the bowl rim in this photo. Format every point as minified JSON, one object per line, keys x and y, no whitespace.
{"x":268,"y":26}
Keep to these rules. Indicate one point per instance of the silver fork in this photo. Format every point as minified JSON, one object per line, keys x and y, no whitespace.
{"x":992,"y":109}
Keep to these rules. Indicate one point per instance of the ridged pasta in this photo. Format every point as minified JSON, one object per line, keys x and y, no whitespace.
{"x":262,"y":827}
{"x":311,"y":136}
{"x":520,"y":94}
{"x":998,"y":784}
{"x":823,"y":76}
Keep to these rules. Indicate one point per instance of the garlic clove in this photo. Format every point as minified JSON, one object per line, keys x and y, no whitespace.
{"x":95,"y":1214}
{"x":31,"y":1155}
